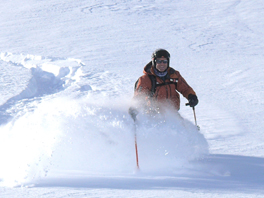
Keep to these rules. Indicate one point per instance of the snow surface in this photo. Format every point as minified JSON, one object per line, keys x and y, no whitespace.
{"x":67,"y":71}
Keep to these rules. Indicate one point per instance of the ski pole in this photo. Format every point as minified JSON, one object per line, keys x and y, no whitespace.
{"x":135,"y":134}
{"x":133,"y":114}
{"x":194,"y":114}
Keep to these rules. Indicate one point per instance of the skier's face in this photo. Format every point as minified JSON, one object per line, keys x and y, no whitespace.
{"x":161,"y":64}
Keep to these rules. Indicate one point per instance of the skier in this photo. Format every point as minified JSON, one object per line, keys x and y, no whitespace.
{"x":159,"y":86}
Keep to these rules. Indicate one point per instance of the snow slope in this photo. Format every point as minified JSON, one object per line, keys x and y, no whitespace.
{"x":67,"y":76}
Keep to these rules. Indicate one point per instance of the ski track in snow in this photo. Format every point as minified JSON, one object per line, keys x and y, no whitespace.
{"x":45,"y":76}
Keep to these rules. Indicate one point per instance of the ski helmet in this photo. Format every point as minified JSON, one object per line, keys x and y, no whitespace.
{"x":160,"y":53}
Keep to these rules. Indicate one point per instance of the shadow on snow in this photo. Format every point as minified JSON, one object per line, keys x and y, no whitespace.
{"x":216,"y":171}
{"x":41,"y":83}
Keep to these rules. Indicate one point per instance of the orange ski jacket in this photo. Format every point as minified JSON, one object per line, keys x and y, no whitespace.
{"x":166,"y":93}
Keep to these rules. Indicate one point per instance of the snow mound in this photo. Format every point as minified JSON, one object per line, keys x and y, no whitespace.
{"x":49,"y":74}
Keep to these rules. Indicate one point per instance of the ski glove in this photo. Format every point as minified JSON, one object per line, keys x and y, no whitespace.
{"x":193,"y":100}
{"x":133,"y":112}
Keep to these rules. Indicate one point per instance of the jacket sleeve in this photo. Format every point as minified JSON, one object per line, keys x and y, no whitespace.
{"x":183,"y":87}
{"x":143,"y":87}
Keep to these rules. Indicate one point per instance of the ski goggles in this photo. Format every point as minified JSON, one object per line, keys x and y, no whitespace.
{"x":162,"y":61}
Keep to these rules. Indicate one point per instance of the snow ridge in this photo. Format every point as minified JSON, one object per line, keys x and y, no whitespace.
{"x":47,"y":72}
